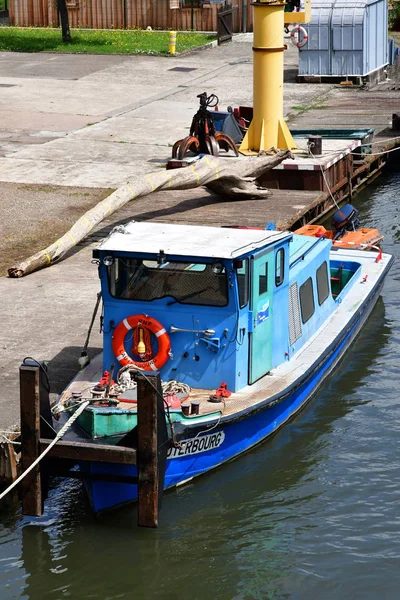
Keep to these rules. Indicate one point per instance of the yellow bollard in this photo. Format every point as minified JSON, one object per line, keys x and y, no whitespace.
{"x":268,"y":127}
{"x":172,"y":42}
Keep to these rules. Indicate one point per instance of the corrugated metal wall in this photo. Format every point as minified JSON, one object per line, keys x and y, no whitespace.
{"x":378,"y":46}
{"x":117,"y":14}
{"x":316,"y":59}
{"x":348,"y":41}
{"x":346,"y":38}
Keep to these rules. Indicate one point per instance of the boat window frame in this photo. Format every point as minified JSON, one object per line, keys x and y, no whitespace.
{"x":245,"y":296}
{"x":279,"y":269}
{"x":174,"y":300}
{"x":263,"y":281}
{"x":306,"y":302}
{"x":325,"y":284}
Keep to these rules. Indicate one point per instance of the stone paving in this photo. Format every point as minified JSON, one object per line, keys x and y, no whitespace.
{"x":95,"y":121}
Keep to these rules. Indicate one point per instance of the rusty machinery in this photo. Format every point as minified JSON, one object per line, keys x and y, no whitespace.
{"x":204,"y":137}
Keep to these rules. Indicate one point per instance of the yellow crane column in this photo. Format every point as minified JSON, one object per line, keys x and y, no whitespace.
{"x":268,"y":128}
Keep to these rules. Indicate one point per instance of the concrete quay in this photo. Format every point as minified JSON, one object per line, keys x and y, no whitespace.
{"x":74,"y":128}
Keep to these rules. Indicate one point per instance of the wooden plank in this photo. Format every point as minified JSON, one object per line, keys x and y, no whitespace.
{"x":8,"y":462}
{"x":32,"y":503}
{"x":90,"y":451}
{"x":147,"y":459}
{"x":225,"y":22}
{"x":12,"y":462}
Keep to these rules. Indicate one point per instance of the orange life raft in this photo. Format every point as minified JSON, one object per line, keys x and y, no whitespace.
{"x":360,"y":239}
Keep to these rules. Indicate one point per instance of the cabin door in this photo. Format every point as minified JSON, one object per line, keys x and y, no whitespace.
{"x":262,"y":271}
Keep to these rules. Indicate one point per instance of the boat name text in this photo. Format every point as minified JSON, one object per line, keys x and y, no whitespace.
{"x":197,"y":445}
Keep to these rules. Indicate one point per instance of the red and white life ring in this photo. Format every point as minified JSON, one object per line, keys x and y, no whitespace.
{"x":299,"y":29}
{"x":146,"y":322}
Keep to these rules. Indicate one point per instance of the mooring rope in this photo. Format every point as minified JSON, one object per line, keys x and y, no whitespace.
{"x":175,"y":387}
{"x":378,"y":153}
{"x":58,"y":437}
{"x":326,"y":182}
{"x":4,"y":439}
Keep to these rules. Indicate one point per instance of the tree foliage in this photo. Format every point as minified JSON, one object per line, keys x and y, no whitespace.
{"x":394,"y":15}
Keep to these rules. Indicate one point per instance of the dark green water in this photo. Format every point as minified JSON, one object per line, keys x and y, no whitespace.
{"x":312,"y":513}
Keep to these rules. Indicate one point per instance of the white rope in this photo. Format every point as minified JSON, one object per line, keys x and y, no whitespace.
{"x":58,"y":437}
{"x":381,"y":141}
{"x":6,"y":440}
{"x":124,"y":379}
{"x":174,"y":387}
{"x":326,"y":183}
{"x":379,"y":153}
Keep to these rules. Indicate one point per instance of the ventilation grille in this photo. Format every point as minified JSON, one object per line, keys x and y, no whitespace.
{"x":294,"y":314}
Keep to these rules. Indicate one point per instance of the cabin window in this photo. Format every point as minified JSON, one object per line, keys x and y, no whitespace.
{"x":307,"y":306}
{"x":322,"y":283}
{"x":184,"y":282}
{"x":243,"y":283}
{"x":263,"y":281}
{"x":279,"y":267}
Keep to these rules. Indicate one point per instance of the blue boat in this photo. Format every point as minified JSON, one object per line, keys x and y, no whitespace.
{"x":242,"y":325}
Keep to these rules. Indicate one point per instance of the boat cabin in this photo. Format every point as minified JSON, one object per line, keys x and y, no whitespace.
{"x":205,"y":305}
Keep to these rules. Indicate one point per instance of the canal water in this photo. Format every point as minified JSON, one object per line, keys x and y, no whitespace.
{"x":312,"y":513}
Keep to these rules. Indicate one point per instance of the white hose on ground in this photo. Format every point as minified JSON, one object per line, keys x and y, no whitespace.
{"x":58,"y":437}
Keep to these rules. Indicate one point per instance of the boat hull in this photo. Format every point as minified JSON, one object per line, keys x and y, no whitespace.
{"x":204,"y":449}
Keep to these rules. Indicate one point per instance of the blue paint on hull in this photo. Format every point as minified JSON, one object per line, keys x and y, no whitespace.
{"x":241,"y":432}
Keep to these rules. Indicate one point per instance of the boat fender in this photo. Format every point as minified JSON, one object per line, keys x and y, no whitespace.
{"x":156,"y":328}
{"x":300,"y":43}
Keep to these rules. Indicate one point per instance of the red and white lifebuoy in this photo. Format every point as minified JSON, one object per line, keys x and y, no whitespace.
{"x":146,"y":322}
{"x":299,"y":29}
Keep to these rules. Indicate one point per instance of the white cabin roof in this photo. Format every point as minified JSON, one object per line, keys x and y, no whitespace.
{"x":188,"y":240}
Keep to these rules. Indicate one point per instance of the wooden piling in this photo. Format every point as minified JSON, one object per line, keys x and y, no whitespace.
{"x":32,"y":503}
{"x":151,"y":448}
{"x":150,"y":455}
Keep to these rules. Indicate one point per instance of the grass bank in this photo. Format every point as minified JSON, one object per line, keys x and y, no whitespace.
{"x":32,"y":39}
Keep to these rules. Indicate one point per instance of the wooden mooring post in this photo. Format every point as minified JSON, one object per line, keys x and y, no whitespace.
{"x":152,"y":442}
{"x":32,"y":502}
{"x":150,"y":454}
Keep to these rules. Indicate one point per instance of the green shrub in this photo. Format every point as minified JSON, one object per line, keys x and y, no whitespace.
{"x":394,"y":16}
